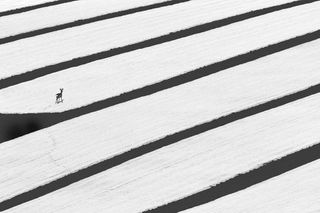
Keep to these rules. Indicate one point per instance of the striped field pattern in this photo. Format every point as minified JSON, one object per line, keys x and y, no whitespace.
{"x":168,"y":106}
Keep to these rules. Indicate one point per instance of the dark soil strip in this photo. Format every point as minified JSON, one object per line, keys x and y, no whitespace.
{"x":243,"y":181}
{"x":15,"y":125}
{"x":143,"y":44}
{"x":33,"y":7}
{"x":88,"y":21}
{"x":235,"y":184}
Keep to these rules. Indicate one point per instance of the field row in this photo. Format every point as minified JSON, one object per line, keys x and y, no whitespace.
{"x":88,"y":139}
{"x":133,"y":70}
{"x":36,"y":52}
{"x":296,"y":191}
{"x":184,"y":120}
{"x":187,"y":167}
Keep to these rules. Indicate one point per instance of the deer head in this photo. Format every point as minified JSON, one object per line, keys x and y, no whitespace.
{"x":61,"y":90}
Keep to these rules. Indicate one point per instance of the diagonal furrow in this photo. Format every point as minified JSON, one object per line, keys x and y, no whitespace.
{"x":88,"y":21}
{"x":49,"y":119}
{"x":33,"y":7}
{"x":243,"y":181}
{"x":28,"y":76}
{"x":278,"y":167}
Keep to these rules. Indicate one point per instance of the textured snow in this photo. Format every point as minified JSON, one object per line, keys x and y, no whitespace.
{"x":64,"y":13}
{"x":36,"y":52}
{"x":79,"y":142}
{"x":187,"y":166}
{"x":197,"y":163}
{"x":293,"y":192}
{"x":6,"y":5}
{"x":106,"y":78}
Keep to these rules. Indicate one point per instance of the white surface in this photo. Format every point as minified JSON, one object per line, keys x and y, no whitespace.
{"x":6,"y":5}
{"x":192,"y":165}
{"x":45,"y":155}
{"x":293,"y":192}
{"x":106,"y":78}
{"x":28,"y":54}
{"x":187,"y":166}
{"x":64,"y":13}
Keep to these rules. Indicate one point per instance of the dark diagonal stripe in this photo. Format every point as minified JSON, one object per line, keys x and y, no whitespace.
{"x":243,"y":181}
{"x":235,"y":184}
{"x":88,"y":21}
{"x":33,"y":7}
{"x":49,"y":119}
{"x":13,"y":80}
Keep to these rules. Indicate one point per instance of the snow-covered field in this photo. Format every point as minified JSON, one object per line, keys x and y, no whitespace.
{"x":296,"y":191}
{"x":7,"y":5}
{"x":133,"y":70}
{"x":96,"y":136}
{"x":188,"y":165}
{"x":65,"y":13}
{"x":36,"y":52}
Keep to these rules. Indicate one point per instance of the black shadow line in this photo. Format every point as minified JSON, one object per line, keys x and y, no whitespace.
{"x":88,"y":21}
{"x":48,"y":119}
{"x":235,"y":184}
{"x":243,"y":181}
{"x":30,"y":75}
{"x":33,"y":7}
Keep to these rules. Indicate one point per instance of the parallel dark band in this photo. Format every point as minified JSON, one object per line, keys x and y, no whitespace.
{"x":33,"y":7}
{"x":240,"y":182}
{"x":28,"y":76}
{"x":49,"y":119}
{"x":87,"y":21}
{"x":243,"y":181}
{"x":235,"y":184}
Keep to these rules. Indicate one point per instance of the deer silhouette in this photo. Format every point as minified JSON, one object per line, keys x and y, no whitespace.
{"x":59,"y":96}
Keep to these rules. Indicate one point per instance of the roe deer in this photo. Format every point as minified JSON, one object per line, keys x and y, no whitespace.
{"x":59,"y":96}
